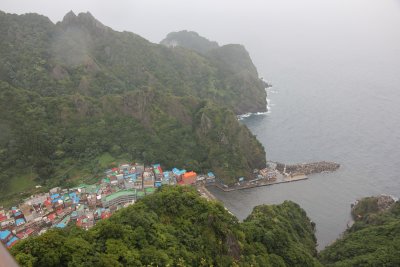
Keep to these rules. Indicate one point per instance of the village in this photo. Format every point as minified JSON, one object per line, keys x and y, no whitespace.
{"x":85,"y":205}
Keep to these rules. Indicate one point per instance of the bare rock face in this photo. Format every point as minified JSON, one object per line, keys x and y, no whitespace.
{"x":385,"y":202}
{"x":205,"y":124}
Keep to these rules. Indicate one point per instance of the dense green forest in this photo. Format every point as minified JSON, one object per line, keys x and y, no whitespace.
{"x":77,"y":96}
{"x":373,"y":240}
{"x":176,"y":227}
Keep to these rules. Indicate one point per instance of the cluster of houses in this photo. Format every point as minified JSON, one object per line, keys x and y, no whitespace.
{"x":84,"y":205}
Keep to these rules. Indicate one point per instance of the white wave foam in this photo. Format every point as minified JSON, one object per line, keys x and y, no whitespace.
{"x":269,"y":105}
{"x":243,"y":116}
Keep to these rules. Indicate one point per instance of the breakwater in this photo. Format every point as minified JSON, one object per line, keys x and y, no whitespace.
{"x":307,"y":168}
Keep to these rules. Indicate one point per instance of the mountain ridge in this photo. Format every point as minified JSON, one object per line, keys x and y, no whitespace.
{"x":65,"y":86}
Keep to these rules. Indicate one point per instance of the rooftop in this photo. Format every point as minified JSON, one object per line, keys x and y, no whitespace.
{"x":4,"y":234}
{"x":120,"y":194}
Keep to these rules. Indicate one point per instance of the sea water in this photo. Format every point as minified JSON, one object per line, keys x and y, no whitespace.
{"x":335,"y":97}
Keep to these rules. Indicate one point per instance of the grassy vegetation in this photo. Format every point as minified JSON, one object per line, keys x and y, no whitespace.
{"x":21,"y":183}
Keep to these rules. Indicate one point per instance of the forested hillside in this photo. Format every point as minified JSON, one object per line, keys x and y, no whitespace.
{"x":176,"y":227}
{"x":77,"y":96}
{"x":373,"y":240}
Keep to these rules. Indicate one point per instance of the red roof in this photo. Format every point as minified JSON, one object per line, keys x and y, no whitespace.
{"x":51,"y":216}
{"x":115,"y":169}
{"x":79,"y":221}
{"x":29,"y":231}
{"x":20,"y":235}
{"x":3,"y":217}
{"x":47,"y":203}
{"x":105,"y":215}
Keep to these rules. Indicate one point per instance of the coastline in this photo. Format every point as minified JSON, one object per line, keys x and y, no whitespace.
{"x":278,"y":173}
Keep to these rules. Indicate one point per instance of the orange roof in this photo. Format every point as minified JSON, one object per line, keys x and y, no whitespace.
{"x":189,"y":174}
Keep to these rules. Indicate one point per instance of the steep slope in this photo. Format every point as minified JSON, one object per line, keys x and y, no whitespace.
{"x":178,"y":228}
{"x":233,"y":63}
{"x":76,"y":92}
{"x":373,"y":240}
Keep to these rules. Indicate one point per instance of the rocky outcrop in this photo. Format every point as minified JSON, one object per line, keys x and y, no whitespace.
{"x":362,"y":208}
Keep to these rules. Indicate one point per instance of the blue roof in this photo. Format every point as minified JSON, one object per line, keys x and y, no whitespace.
{"x":55,"y":200}
{"x":156,"y":165}
{"x":14,"y":208}
{"x":19,"y":221}
{"x":4,"y":234}
{"x":178,"y":172}
{"x":12,"y":240}
{"x":210,"y":174}
{"x":64,"y":222}
{"x":130,"y":175}
{"x":75,"y":198}
{"x":166,"y":175}
{"x":53,"y":196}
{"x":17,"y":214}
{"x":61,"y":225}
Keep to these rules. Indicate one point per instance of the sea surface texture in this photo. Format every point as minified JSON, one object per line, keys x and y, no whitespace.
{"x":335,"y":71}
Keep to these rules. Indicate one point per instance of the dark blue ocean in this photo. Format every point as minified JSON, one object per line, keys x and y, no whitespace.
{"x":335,"y":72}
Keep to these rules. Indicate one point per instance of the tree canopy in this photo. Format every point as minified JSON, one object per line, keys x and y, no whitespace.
{"x":75,"y":93}
{"x":176,"y":227}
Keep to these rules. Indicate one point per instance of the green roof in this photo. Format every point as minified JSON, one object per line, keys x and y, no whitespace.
{"x":150,"y":190}
{"x":140,"y":194}
{"x":120,"y":194}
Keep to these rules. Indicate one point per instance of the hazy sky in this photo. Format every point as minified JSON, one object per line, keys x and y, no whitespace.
{"x":285,"y":32}
{"x":153,"y":19}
